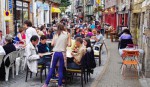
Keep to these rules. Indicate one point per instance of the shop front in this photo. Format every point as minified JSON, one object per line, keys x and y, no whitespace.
{"x":20,"y":13}
{"x":55,"y":13}
{"x":110,"y":17}
{"x":42,"y":13}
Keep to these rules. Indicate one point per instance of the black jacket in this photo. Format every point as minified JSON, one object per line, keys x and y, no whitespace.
{"x":88,"y":60}
{"x":8,"y":49}
{"x":125,"y":42}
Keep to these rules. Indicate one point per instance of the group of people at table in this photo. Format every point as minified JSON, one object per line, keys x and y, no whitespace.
{"x":38,"y":52}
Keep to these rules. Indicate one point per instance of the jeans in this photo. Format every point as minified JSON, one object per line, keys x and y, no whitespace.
{"x":45,"y":60}
{"x":73,"y":65}
{"x":102,"y":32}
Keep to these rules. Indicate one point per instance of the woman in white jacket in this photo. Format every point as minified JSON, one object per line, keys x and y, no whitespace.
{"x":32,"y":54}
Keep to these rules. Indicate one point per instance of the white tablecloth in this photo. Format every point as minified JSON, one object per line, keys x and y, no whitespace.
{"x":2,"y":53}
{"x":131,"y":49}
{"x":48,"y":41}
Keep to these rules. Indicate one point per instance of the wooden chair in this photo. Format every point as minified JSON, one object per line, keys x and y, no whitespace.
{"x":98,"y":55}
{"x":130,"y":58}
{"x":80,"y":71}
{"x":40,"y":69}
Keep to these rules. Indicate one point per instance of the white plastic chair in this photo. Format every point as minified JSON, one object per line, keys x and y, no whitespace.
{"x":20,"y":60}
{"x":12,"y":57}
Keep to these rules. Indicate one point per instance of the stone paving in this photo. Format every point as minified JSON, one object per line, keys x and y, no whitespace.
{"x":112,"y":77}
{"x":19,"y":81}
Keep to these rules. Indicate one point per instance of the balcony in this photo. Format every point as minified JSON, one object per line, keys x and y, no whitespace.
{"x":56,"y":1}
{"x":90,"y":2}
{"x":79,"y":3}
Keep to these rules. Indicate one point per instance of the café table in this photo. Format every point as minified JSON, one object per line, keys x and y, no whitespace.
{"x":131,"y":49}
{"x":47,"y":53}
{"x":19,"y":46}
{"x":48,"y":41}
{"x":68,"y":54}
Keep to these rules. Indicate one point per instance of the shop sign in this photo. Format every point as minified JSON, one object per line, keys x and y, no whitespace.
{"x":7,"y":15}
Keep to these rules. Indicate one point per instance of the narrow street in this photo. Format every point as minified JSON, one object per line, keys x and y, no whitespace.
{"x":112,"y":76}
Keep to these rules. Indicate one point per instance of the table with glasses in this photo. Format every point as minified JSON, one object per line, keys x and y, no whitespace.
{"x":19,"y":46}
{"x":131,"y":49}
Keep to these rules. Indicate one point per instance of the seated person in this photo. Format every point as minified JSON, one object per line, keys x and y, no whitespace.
{"x":125,"y":39}
{"x":20,"y":36}
{"x":77,"y":54}
{"x":32,"y":54}
{"x":8,"y":48}
{"x":89,"y":34}
{"x":43,"y":48}
{"x":99,"y":38}
{"x":50,"y":34}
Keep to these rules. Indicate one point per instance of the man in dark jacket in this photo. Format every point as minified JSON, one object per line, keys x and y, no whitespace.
{"x":8,"y":48}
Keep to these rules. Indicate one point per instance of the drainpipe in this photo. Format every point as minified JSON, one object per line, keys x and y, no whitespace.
{"x":15,"y":17}
{"x":129,"y":16}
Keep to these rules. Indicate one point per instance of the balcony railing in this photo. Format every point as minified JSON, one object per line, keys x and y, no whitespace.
{"x":56,"y":1}
{"x":90,"y":2}
{"x":79,"y":3}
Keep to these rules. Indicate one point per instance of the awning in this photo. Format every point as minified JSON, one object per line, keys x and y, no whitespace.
{"x":55,"y":10}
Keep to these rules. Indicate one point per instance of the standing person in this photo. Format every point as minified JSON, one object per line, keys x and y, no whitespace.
{"x":29,"y":31}
{"x":2,"y":39}
{"x":102,"y":28}
{"x":60,"y":42}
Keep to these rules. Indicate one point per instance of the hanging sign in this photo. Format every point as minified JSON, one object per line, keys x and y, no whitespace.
{"x":10,"y":4}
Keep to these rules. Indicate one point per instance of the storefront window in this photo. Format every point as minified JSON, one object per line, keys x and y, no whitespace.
{"x":22,"y":12}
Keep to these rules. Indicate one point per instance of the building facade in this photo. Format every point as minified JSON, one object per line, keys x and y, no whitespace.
{"x":40,"y":12}
{"x":123,"y":13}
{"x":110,"y":15}
{"x":140,"y":29}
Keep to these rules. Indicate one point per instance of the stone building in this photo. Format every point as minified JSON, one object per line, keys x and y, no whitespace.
{"x":144,"y":40}
{"x":140,"y":29}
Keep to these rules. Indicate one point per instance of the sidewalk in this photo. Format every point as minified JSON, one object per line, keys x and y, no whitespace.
{"x":112,"y":77}
{"x":19,"y":81}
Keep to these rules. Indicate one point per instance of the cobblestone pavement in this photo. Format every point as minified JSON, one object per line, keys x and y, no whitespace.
{"x":19,"y":81}
{"x":112,"y":77}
